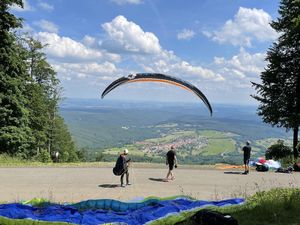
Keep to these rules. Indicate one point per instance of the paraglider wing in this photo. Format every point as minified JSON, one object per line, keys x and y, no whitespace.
{"x":156,"y":77}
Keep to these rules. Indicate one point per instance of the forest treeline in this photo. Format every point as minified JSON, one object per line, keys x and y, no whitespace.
{"x":30,"y":125}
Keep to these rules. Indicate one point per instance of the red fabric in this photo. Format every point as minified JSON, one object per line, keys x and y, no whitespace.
{"x":262,"y":161}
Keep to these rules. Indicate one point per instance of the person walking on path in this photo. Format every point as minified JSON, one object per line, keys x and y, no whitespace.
{"x":247,"y":152}
{"x":171,"y":160}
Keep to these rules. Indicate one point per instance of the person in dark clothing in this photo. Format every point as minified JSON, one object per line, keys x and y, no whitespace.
{"x":247,"y":152}
{"x":124,"y":170}
{"x":171,"y":160}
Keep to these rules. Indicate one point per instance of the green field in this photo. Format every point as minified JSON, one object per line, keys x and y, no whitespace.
{"x":219,"y":146}
{"x":188,"y":143}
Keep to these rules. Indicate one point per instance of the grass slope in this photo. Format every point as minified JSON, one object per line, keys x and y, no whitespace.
{"x":6,"y":221}
{"x":279,"y":206}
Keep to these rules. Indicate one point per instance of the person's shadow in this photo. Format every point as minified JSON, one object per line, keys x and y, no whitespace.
{"x":233,"y":172}
{"x":158,"y":179}
{"x":108,"y":185}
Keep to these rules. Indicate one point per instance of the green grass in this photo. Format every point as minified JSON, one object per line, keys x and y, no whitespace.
{"x":216,"y":134}
{"x":218,"y":146}
{"x":133,"y":150}
{"x":171,"y":137}
{"x":278,"y":206}
{"x":8,"y":161}
{"x":4,"y":158}
{"x":6,"y":221}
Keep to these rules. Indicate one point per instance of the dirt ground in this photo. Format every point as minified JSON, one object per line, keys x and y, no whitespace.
{"x":77,"y":184}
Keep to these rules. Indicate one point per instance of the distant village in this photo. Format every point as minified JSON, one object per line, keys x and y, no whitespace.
{"x":178,"y":143}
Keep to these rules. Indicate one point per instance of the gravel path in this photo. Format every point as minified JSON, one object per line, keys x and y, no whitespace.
{"x":77,"y":184}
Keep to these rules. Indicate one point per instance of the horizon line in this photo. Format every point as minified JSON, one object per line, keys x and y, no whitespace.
{"x":155,"y":101}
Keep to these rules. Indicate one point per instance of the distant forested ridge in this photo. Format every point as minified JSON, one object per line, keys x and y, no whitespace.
{"x":30,"y":92}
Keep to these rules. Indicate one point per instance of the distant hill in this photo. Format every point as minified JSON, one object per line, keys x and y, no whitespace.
{"x":99,"y":125}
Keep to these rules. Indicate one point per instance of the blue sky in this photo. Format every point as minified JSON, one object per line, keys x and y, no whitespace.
{"x":217,"y":45}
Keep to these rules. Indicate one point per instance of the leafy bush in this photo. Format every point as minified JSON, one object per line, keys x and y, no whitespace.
{"x":43,"y":156}
{"x":99,"y":157}
{"x":7,"y":159}
{"x":278,"y":151}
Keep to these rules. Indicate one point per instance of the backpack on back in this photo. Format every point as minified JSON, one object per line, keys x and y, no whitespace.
{"x":118,"y":170}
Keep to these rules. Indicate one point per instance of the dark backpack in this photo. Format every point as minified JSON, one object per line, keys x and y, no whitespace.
{"x":118,"y":170}
{"x":284,"y":170}
{"x":262,"y":168}
{"x":209,"y":217}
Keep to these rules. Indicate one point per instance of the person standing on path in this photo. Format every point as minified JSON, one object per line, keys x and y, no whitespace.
{"x":122,"y":167}
{"x":126,"y":168}
{"x":247,"y":152}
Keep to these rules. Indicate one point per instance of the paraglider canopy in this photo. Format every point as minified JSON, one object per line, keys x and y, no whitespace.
{"x":157,"y":77}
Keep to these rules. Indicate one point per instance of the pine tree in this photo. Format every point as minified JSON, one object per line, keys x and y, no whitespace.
{"x":50,"y":131}
{"x":62,"y":142}
{"x":15,"y":134}
{"x":41,"y":106}
{"x":279,"y":93}
{"x":30,"y":124}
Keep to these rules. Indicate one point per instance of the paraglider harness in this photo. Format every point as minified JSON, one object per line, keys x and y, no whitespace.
{"x":121,"y":166}
{"x":210,"y":217}
{"x":289,"y":169}
{"x":262,"y":167}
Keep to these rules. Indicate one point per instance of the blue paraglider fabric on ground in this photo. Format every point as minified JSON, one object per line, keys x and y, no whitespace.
{"x":71,"y":214}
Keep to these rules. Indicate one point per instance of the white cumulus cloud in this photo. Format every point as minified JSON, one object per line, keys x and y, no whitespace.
{"x":169,"y":63}
{"x":143,"y":48}
{"x":243,"y":64}
{"x":88,"y":40}
{"x":126,"y":36}
{"x":46,"y":6}
{"x":83,"y":70}
{"x":248,"y":25}
{"x":65,"y":47}
{"x":185,"y":34}
{"x":47,"y":26}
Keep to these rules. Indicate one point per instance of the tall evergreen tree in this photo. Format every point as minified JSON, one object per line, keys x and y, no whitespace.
{"x":49,"y":129}
{"x":15,"y":134}
{"x":62,"y":142}
{"x":41,"y":106}
{"x":29,"y":96}
{"x":279,"y":93}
